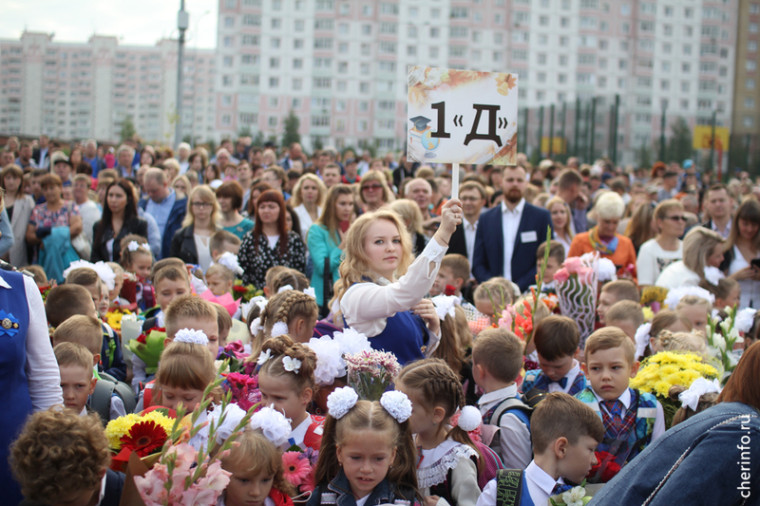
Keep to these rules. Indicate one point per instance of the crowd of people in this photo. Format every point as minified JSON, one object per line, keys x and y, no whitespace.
{"x":270,"y":252}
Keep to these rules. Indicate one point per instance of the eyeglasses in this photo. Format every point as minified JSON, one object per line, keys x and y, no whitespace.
{"x":677,"y":218}
{"x":202,"y":204}
{"x":372,"y":187}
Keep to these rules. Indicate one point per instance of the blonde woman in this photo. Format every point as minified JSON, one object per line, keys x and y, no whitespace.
{"x":308,"y":201}
{"x":412,"y":217}
{"x":191,"y":242}
{"x":665,"y":248}
{"x":374,"y":191}
{"x":702,"y":248}
{"x":561,"y":220}
{"x":381,"y":290}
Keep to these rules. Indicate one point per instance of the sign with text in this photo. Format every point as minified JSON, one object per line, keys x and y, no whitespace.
{"x":461,"y":116}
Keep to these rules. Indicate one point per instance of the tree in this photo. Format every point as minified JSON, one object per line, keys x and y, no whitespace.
{"x":679,"y":145}
{"x":127,"y":129}
{"x":644,"y":156}
{"x":291,"y":135}
{"x":259,"y":140}
{"x":317,"y":144}
{"x":245,"y":131}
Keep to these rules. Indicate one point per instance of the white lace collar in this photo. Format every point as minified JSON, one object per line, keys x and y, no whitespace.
{"x":437,"y":461}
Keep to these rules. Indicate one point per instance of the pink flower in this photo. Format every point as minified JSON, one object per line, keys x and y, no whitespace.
{"x":561,"y":275}
{"x":573,"y":265}
{"x":505,"y":321}
{"x":295,"y":469}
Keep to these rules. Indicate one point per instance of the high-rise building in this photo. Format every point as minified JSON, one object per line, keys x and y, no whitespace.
{"x":83,"y":90}
{"x":341,"y":65}
{"x":745,"y":130}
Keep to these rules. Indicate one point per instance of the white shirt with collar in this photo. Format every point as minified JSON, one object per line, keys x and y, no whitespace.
{"x":469,"y":238}
{"x":659,"y":420}
{"x":571,"y":374}
{"x":515,"y":435}
{"x":540,"y":487}
{"x":724,"y":233}
{"x":510,"y":222}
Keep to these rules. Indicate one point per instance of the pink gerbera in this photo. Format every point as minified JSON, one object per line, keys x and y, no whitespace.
{"x":295,"y":469}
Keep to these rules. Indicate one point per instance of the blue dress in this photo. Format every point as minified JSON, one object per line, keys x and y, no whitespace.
{"x":14,"y":385}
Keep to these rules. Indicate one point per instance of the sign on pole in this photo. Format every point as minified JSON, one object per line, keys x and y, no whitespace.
{"x":461,"y":116}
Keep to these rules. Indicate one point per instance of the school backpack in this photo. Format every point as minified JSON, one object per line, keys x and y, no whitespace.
{"x":491,"y":464}
{"x":106,"y":387}
{"x":489,"y":432}
{"x":509,"y":487}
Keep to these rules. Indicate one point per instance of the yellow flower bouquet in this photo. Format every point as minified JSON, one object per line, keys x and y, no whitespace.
{"x":666,"y":369}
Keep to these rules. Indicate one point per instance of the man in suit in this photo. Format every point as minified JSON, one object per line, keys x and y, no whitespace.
{"x":41,"y":155}
{"x":718,"y":207}
{"x":473,"y":197}
{"x":509,"y":235}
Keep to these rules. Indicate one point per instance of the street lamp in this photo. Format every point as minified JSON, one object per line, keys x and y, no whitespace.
{"x":183,"y":21}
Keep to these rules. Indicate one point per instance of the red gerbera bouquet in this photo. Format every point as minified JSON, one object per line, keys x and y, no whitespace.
{"x":144,"y":434}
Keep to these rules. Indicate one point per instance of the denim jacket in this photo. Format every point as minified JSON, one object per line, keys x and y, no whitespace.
{"x":711,"y":458}
{"x":338,"y":493}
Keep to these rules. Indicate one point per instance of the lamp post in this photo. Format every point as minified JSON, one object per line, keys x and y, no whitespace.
{"x":183,"y":21}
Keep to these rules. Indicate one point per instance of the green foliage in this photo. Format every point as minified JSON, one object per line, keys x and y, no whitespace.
{"x":644,"y":155}
{"x":291,"y":135}
{"x":679,"y":146}
{"x":127,"y":129}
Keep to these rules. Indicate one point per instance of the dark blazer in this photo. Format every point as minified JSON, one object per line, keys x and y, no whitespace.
{"x":488,"y":257}
{"x":183,"y":245}
{"x":173,"y":224}
{"x":458,"y":243}
{"x":99,"y":251}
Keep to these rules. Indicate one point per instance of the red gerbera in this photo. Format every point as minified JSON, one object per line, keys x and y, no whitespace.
{"x":295,"y":469}
{"x":144,"y":438}
{"x":142,"y":339}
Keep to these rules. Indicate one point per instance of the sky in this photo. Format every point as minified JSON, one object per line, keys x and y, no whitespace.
{"x":135,"y":22}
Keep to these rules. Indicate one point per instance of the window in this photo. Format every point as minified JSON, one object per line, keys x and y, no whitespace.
{"x":274,"y":82}
{"x":229,"y":22}
{"x":749,"y":84}
{"x":749,"y":102}
{"x":274,"y":43}
{"x":748,"y":121}
{"x":322,"y":83}
{"x":297,"y":43}
{"x":297,"y":63}
{"x":458,"y":13}
{"x":323,"y":43}
{"x":276,"y":23}
{"x":274,"y":63}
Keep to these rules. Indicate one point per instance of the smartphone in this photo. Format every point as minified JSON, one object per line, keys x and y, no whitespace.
{"x":755,"y":263}
{"x":344,"y":225}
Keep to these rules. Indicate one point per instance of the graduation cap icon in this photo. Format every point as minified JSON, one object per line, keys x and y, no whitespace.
{"x":420,"y":122}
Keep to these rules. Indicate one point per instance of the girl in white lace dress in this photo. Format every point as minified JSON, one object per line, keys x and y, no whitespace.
{"x":447,"y":472}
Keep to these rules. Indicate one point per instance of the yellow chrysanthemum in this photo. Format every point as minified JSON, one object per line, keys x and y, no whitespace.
{"x":118,"y":428}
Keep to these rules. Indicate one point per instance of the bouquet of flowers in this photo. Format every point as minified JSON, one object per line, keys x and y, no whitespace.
{"x":244,"y":390}
{"x":722,"y":336}
{"x":115,"y":315}
{"x":666,"y":369}
{"x":244,"y":292}
{"x":576,"y":285}
{"x":652,"y":300}
{"x":576,"y":496}
{"x":148,"y":347}
{"x":298,"y":468}
{"x":235,"y":353}
{"x":370,"y":373}
{"x":144,"y":434}
{"x":184,"y":475}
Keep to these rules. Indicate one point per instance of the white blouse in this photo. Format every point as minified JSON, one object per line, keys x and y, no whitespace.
{"x":305,"y":220}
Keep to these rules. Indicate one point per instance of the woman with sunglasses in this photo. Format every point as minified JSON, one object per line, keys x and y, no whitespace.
{"x":374,"y":191}
{"x":665,"y":248}
{"x":192,"y":242}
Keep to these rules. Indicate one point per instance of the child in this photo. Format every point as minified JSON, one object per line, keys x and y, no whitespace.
{"x":553,"y":263}
{"x":64,"y":301}
{"x":170,"y":281}
{"x":690,"y":342}
{"x":727,"y":293}
{"x":496,"y":365}
{"x":360,"y":435}
{"x":615,"y":291}
{"x":632,"y":419}
{"x":111,"y":398}
{"x":115,"y":300}
{"x":456,"y":339}
{"x":289,"y":312}
{"x":446,"y":456}
{"x":77,"y":381}
{"x":255,"y":464}
{"x":38,"y":273}
{"x":63,"y":458}
{"x":695,"y":309}
{"x":286,"y":379}
{"x":223,"y":324}
{"x":286,"y":276}
{"x":702,"y":394}
{"x":219,"y":279}
{"x":565,"y":434}
{"x":112,"y":359}
{"x":454,"y":272}
{"x":185,"y":371}
{"x":627,"y":316}
{"x":223,"y":241}
{"x":493,"y":296}
{"x":194,"y":313}
{"x":557,"y":339}
{"x":137,"y":259}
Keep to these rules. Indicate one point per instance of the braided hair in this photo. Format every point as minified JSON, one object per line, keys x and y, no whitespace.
{"x":284,"y":307}
{"x":437,"y":385}
{"x":283,"y":346}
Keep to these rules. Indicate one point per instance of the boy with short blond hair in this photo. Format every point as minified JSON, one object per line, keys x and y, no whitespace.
{"x":454,"y":273}
{"x":77,"y":381}
{"x":496,"y":364}
{"x":614,"y":291}
{"x":81,"y":329}
{"x":565,"y":433}
{"x":223,"y":241}
{"x":631,"y":419}
{"x":626,"y":315}
{"x":64,"y":301}
{"x":556,"y":338}
{"x":194,"y":313}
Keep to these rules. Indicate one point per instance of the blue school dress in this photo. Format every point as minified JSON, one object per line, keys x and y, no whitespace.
{"x":14,"y":385}
{"x":405,"y":335}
